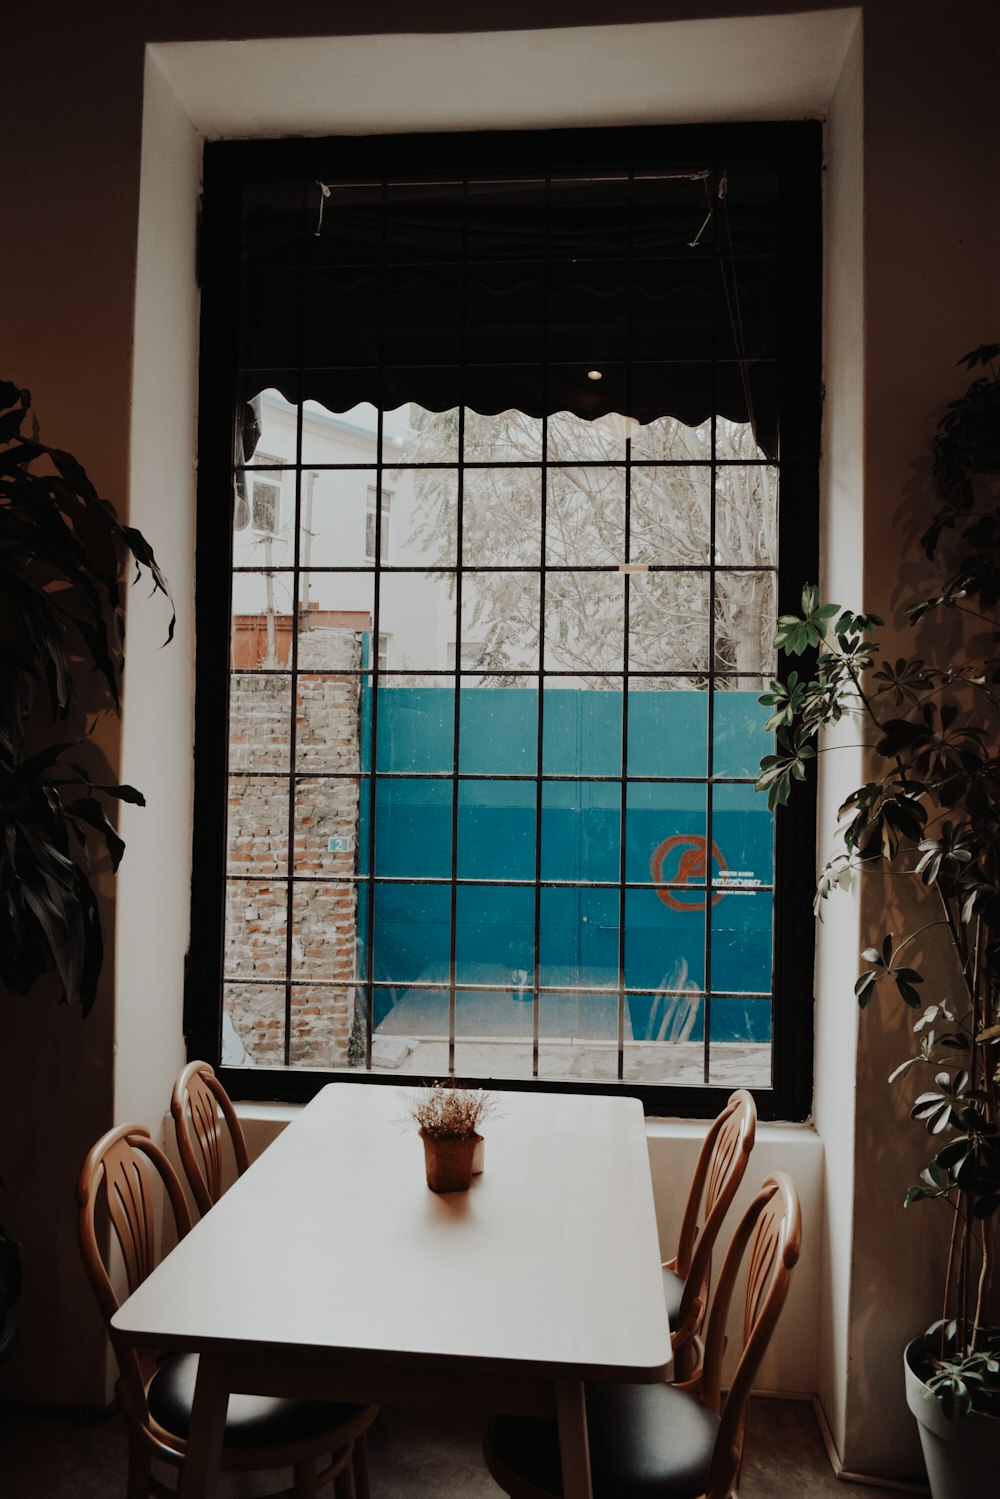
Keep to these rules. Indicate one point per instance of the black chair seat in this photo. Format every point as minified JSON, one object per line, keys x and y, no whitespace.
{"x":647,"y":1441}
{"x":252,"y":1420}
{"x":673,"y":1290}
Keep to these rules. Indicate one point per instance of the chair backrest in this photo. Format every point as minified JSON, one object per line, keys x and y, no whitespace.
{"x":203,"y":1117}
{"x":722,"y":1162}
{"x":127,"y":1180}
{"x":767,"y":1241}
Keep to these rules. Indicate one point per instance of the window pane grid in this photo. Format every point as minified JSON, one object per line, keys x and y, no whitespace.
{"x":543,"y":989}
{"x":391,"y":686}
{"x":369,"y":884}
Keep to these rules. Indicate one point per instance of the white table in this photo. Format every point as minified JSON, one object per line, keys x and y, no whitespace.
{"x":330,"y":1270}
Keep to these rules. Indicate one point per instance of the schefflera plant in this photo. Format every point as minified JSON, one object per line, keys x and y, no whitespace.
{"x":929,"y":810}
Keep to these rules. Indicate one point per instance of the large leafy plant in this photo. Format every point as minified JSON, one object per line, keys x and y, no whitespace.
{"x":64,"y":554}
{"x":929,"y":810}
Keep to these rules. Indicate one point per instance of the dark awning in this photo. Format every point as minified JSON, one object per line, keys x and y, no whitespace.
{"x":503,"y":295}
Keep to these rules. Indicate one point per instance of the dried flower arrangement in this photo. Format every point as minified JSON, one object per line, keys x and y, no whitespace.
{"x":449,"y":1111}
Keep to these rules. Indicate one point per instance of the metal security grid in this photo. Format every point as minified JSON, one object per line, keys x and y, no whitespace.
{"x":227,"y":169}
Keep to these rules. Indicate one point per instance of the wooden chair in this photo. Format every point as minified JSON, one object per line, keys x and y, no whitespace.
{"x":203,"y":1117}
{"x":125,"y":1180}
{"x":657,"y":1441}
{"x":722,"y":1162}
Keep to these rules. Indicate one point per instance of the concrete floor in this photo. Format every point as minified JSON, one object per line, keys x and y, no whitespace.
{"x":734,"y":1064}
{"x":427,"y":1454}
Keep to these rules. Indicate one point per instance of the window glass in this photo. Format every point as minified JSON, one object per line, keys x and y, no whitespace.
{"x":507,"y":465}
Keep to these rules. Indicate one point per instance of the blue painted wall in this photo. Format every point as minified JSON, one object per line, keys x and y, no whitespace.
{"x":581,"y":840}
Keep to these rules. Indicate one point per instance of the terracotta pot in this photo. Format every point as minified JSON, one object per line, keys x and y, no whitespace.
{"x":449,"y":1162}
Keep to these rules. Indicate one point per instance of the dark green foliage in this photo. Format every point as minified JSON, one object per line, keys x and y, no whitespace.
{"x":967,"y":445}
{"x":965,"y":1381}
{"x":930,"y":810}
{"x":63,"y":559}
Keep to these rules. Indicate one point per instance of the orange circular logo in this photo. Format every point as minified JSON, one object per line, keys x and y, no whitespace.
{"x":692,"y":864}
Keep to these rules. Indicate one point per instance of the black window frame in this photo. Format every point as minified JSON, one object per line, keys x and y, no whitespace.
{"x":795,"y":148}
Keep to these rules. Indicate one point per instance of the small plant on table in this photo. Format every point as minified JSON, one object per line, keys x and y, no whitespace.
{"x":448,"y":1116}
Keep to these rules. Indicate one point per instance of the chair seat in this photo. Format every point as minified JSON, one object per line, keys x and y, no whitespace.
{"x":251,"y":1420}
{"x":647,"y":1441}
{"x":673,"y":1290}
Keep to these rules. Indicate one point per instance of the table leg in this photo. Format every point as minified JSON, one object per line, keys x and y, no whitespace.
{"x":200,"y":1473}
{"x":574,"y":1445}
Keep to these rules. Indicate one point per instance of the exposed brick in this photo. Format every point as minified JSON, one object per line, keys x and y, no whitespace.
{"x":325,"y":931}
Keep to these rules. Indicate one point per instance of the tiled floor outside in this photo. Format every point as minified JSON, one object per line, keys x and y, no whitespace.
{"x":734,"y":1064}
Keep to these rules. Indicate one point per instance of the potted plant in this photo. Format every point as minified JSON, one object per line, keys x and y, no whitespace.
{"x":63,"y":559}
{"x":448,"y":1117}
{"x":930,"y":810}
{"x":63,"y":556}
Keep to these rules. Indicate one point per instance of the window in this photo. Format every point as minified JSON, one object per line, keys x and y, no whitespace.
{"x":377,"y":522}
{"x":580,"y":371}
{"x":266,"y":505}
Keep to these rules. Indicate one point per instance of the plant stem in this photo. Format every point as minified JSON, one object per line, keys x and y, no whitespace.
{"x":963,"y":1273}
{"x":949,"y":1271}
{"x":928,"y":925}
{"x":958,"y":943}
{"x":985,"y":1276}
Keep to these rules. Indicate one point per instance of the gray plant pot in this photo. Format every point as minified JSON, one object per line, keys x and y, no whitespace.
{"x":962,"y":1453}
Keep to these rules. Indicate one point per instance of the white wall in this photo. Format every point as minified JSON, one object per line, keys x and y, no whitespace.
{"x":158,"y":718}
{"x":842,"y":553}
{"x":774,"y":67}
{"x":791,"y":1364}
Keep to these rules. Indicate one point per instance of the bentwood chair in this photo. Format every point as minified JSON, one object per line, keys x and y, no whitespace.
{"x":203,"y":1118}
{"x":124,"y":1181}
{"x":657,"y":1441}
{"x":687,"y":1277}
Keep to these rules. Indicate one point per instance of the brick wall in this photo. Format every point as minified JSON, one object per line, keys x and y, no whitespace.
{"x":321,"y":958}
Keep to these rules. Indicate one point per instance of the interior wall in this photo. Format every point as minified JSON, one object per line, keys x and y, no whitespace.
{"x":691,"y":71}
{"x":72,"y":117}
{"x":67,"y":263}
{"x":158,"y":719}
{"x":791,"y":1365}
{"x":931,"y":240}
{"x":841,"y":553}
{"x":80,"y":132}
{"x":74,"y":122}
